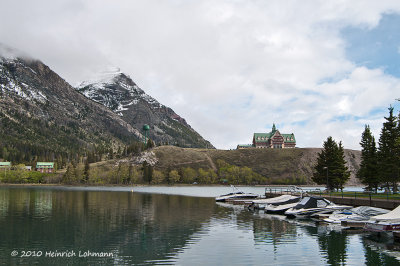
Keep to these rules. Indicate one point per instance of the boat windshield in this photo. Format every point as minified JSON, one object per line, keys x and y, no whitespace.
{"x":304,"y":200}
{"x":321,"y":203}
{"x":302,"y":203}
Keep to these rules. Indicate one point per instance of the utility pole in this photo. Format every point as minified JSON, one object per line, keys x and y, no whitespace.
{"x":327,"y":180}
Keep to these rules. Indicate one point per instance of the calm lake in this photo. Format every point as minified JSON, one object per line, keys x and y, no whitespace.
{"x":106,"y":226}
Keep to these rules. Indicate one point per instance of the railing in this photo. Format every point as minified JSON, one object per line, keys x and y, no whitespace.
{"x":343,"y":194}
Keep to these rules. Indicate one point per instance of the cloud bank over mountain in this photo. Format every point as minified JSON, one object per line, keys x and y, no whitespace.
{"x":230,"y":68}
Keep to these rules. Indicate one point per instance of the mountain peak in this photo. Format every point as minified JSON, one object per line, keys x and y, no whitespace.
{"x":118,"y":92}
{"x":9,"y":53}
{"x":105,"y":76}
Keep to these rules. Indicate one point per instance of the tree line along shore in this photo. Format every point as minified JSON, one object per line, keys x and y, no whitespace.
{"x":333,"y":166}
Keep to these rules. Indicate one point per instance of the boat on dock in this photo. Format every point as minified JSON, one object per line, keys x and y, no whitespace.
{"x":310,"y":205}
{"x":280,"y":208}
{"x":261,"y":204}
{"x":236,"y":195}
{"x":387,"y":222}
{"x":355,"y":217}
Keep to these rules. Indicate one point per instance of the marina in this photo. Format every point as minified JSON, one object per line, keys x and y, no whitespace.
{"x":295,"y":203}
{"x":160,"y":225}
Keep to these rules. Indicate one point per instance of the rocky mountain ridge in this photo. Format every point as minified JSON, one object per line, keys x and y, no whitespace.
{"x":42,"y":113}
{"x":119,"y":92}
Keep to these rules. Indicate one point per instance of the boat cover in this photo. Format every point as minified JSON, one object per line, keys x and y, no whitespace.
{"x":312,"y":202}
{"x":279,"y":199}
{"x":368,"y":211}
{"x":275,"y":208}
{"x":392,"y":216}
{"x":362,"y":213}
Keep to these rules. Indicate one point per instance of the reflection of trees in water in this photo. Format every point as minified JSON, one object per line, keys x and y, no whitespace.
{"x":137,"y":227}
{"x":380,"y":251}
{"x":266,"y":228}
{"x":271,"y":229}
{"x":334,"y":245}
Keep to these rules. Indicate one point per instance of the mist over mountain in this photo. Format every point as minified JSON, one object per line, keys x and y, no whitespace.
{"x":40,"y":111}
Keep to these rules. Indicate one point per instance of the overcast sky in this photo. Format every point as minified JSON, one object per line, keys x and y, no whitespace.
{"x":230,"y":68}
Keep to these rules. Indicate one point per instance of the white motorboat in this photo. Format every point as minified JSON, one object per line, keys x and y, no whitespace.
{"x":236,"y":195}
{"x":310,"y":205}
{"x":261,"y":204}
{"x":385,"y":222}
{"x":355,"y":217}
{"x":280,"y":208}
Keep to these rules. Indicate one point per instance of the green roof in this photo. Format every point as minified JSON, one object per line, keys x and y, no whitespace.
{"x":5,"y":163}
{"x":263,"y":136}
{"x":245,"y":145}
{"x":289,"y":138}
{"x":45,"y":164}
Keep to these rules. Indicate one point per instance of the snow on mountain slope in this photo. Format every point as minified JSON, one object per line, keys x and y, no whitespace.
{"x":119,"y":92}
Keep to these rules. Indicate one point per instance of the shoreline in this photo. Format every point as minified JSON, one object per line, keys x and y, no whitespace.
{"x":152,"y":185}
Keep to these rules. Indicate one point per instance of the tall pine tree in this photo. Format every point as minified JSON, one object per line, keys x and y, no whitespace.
{"x":325,"y":163}
{"x":331,"y":169}
{"x":388,"y":165}
{"x":368,"y":172}
{"x":340,"y":171}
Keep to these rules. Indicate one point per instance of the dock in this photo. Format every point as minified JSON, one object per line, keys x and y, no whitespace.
{"x":239,"y":201}
{"x":389,"y":204}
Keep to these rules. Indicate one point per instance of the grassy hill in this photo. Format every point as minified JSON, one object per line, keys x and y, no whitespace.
{"x":273,"y":164}
{"x":205,"y":166}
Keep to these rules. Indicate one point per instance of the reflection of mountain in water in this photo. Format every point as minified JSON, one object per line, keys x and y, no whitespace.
{"x":136,"y":227}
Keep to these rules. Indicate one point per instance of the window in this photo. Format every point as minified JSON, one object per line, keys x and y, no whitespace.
{"x":321,"y":203}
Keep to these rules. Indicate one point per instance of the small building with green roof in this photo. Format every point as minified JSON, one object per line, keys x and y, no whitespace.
{"x":45,"y":167}
{"x":271,"y":140}
{"x":5,"y":165}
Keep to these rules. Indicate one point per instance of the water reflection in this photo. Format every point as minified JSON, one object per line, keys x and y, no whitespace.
{"x":135,"y":227}
{"x":381,"y":250}
{"x":142,"y":228}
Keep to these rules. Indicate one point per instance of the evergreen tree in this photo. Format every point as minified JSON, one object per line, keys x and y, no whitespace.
{"x":150,"y":144}
{"x":397,"y":143}
{"x":331,"y":169}
{"x":340,"y":172}
{"x":130,"y":173}
{"x":86,"y":171}
{"x":388,"y":165}
{"x":324,"y":163}
{"x":147,"y":172}
{"x":368,"y":172}
{"x":69,"y":176}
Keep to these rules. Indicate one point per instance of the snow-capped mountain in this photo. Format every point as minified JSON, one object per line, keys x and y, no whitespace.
{"x":118,"y":91}
{"x":10,"y":57}
{"x":39,"y":109}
